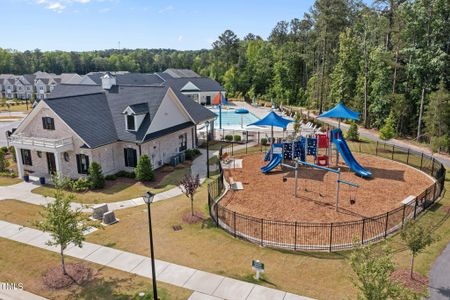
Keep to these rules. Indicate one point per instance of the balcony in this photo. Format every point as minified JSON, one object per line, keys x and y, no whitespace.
{"x":41,"y":144}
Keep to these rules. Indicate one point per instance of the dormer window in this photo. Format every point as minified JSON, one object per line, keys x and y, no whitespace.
{"x":131,"y":123}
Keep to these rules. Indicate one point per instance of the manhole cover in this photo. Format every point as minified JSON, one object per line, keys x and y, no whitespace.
{"x":177,"y":227}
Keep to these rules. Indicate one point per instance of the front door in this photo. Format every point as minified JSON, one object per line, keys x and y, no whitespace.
{"x":51,"y":164}
{"x":208,"y":100}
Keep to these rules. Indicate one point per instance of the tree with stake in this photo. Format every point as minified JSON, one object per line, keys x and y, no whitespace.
{"x":417,"y":238}
{"x":64,"y":224}
{"x":189,"y":185}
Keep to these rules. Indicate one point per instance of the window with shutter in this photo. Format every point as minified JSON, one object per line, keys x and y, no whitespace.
{"x":82,"y":164}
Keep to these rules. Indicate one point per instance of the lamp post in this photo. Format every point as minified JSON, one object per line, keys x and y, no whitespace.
{"x":207,"y":148}
{"x":148,"y":199}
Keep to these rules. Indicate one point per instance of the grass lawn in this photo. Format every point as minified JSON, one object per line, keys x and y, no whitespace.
{"x":19,"y":212}
{"x":10,"y":118}
{"x":26,"y":264}
{"x":123,"y":188}
{"x":16,"y":108}
{"x":207,"y":248}
{"x":4,"y":181}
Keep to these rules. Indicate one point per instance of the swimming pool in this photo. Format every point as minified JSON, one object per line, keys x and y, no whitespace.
{"x":232,"y":120}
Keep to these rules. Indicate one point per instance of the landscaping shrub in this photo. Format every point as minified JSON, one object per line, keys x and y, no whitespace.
{"x":3,"y":162}
{"x":237,"y":138}
{"x":189,"y":154}
{"x":80,"y":185}
{"x":228,"y":138}
{"x":111,"y":177}
{"x":352,"y":133}
{"x":95,"y":176}
{"x":4,"y":149}
{"x":144,"y":169}
{"x":264,"y":141}
{"x":126,"y":174}
{"x":8,"y":174}
{"x":13,"y":152}
{"x":196,"y":152}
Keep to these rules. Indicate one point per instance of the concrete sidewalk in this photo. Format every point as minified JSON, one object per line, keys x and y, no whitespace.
{"x":205,"y":285}
{"x":439,"y":285}
{"x":18,"y":295}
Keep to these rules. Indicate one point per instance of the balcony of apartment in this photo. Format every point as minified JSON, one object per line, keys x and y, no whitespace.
{"x":41,"y":144}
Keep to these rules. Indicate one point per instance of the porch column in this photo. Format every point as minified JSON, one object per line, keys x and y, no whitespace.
{"x":58,"y":163}
{"x":19,"y":162}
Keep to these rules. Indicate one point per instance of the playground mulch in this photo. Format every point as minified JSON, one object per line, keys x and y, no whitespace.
{"x":271,"y":196}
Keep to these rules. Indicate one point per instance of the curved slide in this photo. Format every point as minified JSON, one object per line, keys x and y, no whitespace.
{"x":275,"y":161}
{"x":347,"y":155}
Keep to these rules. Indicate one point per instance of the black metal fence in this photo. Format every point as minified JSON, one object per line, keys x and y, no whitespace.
{"x":332,"y":236}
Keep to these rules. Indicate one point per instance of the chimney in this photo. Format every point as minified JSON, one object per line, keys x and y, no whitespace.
{"x":108,"y":80}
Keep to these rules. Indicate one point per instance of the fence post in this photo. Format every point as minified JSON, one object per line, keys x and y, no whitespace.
{"x":421,"y":161}
{"x":362,"y":232}
{"x":403,"y":217}
{"x":331,"y":236}
{"x":359,"y":144}
{"x":376,"y":149}
{"x":234,"y":223}
{"x":262,"y":232}
{"x":232,"y":148}
{"x":393,"y":150}
{"x":432,"y":166}
{"x":295,"y":236}
{"x":246,"y":141}
{"x":386,"y":225}
{"x":407,"y":158}
{"x":415,"y":208}
{"x":217,"y":214}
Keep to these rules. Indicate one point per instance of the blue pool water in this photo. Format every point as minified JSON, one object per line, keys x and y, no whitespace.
{"x":232,"y":120}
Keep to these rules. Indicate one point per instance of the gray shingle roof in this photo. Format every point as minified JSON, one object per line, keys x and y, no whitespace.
{"x":180,"y":73}
{"x":205,"y":84}
{"x":138,"y":79}
{"x":88,"y":115}
{"x":97,"y":117}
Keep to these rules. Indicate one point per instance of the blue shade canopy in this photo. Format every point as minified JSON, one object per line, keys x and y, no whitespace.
{"x":241,"y":111}
{"x":272,"y":119}
{"x":342,"y":112}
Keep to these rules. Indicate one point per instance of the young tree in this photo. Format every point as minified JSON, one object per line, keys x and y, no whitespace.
{"x":95,"y":177}
{"x":352,"y":133}
{"x":144,"y":169}
{"x":297,"y":122}
{"x":437,"y":118}
{"x":64,"y":224}
{"x":373,"y":271}
{"x":387,"y":132}
{"x":189,"y":185}
{"x":417,"y":238}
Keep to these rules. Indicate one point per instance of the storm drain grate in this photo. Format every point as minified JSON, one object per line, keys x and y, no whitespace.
{"x":177,"y":227}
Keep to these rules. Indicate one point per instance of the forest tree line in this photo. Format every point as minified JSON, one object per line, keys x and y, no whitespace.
{"x":389,"y":60}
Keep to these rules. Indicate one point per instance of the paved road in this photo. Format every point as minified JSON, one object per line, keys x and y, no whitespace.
{"x":440,"y":276}
{"x":5,"y":126}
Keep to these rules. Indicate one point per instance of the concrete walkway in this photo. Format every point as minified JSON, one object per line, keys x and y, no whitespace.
{"x":22,"y":191}
{"x":205,"y":285}
{"x":439,"y":285}
{"x":18,"y":295}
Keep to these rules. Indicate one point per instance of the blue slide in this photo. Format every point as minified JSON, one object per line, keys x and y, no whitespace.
{"x":344,"y":150}
{"x":267,"y":156}
{"x":277,"y":158}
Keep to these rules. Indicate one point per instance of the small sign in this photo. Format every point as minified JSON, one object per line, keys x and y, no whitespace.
{"x":258,"y":267}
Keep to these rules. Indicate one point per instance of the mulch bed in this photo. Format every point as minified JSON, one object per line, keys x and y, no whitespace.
{"x":272,"y":198}
{"x":77,"y":273}
{"x":198,"y":217}
{"x":417,"y":284}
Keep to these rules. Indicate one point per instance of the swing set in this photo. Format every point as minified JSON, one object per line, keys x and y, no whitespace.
{"x":339,"y":181}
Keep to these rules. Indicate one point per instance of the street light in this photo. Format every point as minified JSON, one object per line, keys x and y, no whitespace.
{"x":148,"y":199}
{"x":207,"y":148}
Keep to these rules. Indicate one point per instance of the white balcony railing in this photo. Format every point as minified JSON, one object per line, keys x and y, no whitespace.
{"x":37,"y":143}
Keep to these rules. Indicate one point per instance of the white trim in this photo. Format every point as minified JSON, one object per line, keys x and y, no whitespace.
{"x":190,"y":87}
{"x":25,"y":122}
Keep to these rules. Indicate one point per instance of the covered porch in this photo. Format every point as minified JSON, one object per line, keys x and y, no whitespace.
{"x":41,"y":157}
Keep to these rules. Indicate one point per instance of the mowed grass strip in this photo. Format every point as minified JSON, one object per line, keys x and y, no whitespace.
{"x":25,"y":264}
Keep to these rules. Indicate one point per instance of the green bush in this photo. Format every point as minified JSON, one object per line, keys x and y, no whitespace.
{"x":125,"y":174}
{"x":8,"y":174}
{"x":352,"y":133}
{"x":228,"y":138}
{"x":4,"y":149}
{"x":111,"y":177}
{"x":237,"y":138}
{"x":82,"y":184}
{"x":144,"y":169}
{"x":190,"y":154}
{"x":264,"y":141}
{"x":387,"y":132}
{"x":13,"y":152}
{"x":95,"y":176}
{"x":3,"y":162}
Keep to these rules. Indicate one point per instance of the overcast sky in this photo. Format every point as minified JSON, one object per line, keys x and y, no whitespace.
{"x":101,"y":24}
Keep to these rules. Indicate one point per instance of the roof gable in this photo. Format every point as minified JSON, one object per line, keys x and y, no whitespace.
{"x":189,"y":87}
